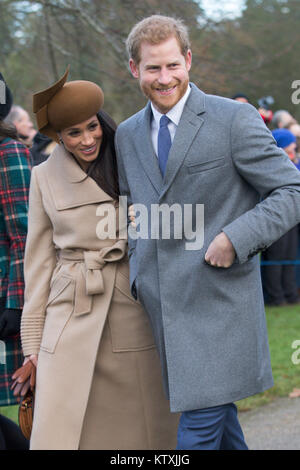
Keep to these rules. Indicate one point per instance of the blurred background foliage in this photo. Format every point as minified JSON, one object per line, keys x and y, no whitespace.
{"x":256,"y":52}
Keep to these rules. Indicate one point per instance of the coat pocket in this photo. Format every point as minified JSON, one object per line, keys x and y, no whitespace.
{"x":205,"y":166}
{"x":58,"y":311}
{"x":129,"y":324}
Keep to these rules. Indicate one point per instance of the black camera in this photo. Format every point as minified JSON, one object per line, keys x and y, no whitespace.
{"x":266,"y":102}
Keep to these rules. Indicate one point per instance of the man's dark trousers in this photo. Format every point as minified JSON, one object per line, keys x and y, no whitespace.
{"x":215,"y":428}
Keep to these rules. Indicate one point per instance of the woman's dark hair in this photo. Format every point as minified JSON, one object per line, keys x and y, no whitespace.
{"x":7,"y":130}
{"x":104,"y":169}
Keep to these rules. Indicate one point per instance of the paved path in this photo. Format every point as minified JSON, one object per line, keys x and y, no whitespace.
{"x":275,"y":426}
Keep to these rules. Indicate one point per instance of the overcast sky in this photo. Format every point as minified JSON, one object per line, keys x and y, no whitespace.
{"x":217,"y":9}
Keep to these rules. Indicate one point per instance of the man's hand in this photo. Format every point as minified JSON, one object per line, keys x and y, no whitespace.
{"x":220,"y":252}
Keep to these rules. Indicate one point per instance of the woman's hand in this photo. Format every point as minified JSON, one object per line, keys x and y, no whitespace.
{"x":33,"y":358}
{"x":24,"y":377}
{"x":131,"y":215}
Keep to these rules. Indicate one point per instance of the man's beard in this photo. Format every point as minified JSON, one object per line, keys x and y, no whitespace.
{"x":150,"y":92}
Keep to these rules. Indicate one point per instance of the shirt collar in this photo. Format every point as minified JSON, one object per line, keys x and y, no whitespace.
{"x":175,"y":113}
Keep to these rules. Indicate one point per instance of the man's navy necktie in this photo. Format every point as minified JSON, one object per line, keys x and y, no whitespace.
{"x":164,"y":143}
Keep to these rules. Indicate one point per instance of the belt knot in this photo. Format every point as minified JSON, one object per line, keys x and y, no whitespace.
{"x":96,"y":260}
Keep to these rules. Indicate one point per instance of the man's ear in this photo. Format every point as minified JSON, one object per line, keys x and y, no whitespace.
{"x":134,"y":68}
{"x":188,"y":60}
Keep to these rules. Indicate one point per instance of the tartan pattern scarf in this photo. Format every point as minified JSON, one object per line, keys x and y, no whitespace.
{"x":15,"y":170}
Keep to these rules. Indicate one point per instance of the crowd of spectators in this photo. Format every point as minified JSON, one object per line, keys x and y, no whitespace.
{"x":280,"y":275}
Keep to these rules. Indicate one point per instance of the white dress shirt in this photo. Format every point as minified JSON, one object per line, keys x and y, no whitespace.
{"x":174,"y":115}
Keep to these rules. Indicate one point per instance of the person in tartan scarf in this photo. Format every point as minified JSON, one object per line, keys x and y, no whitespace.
{"x":15,"y":170}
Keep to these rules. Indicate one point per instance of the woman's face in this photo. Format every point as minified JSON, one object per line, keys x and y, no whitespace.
{"x":291,"y":150}
{"x":83,"y":140}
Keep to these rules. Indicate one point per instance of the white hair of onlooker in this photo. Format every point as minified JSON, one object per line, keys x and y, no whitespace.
{"x":282,"y":119}
{"x":295,"y":129}
{"x":23,"y":123}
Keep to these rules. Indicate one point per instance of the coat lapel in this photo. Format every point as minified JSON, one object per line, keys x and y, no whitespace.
{"x":71,"y":186}
{"x":188,"y":127}
{"x":145,"y":151}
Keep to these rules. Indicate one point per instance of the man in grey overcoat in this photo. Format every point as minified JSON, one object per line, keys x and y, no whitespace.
{"x":210,"y":159}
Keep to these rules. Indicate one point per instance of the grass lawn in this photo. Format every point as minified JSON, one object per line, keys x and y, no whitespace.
{"x":283,"y":328}
{"x":10,"y":412}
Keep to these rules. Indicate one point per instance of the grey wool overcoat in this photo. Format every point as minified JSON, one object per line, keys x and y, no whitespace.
{"x":209,"y":323}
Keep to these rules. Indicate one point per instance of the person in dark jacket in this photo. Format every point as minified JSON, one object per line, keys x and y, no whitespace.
{"x":279,"y":279}
{"x":15,"y":169}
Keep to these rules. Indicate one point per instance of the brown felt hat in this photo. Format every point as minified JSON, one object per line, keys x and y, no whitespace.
{"x":66,"y":104}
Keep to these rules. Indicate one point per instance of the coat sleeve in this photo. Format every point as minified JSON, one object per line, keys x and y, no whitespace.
{"x":39,"y":263}
{"x":268,"y":169}
{"x":15,"y":181}
{"x":125,"y":191}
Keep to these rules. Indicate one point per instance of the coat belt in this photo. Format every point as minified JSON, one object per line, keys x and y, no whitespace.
{"x":94,"y":261}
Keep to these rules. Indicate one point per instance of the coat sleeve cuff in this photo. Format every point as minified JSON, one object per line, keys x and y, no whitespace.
{"x":31,"y":334}
{"x":240,"y":245}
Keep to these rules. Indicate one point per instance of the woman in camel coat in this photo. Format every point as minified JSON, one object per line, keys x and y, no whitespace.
{"x":99,"y":382}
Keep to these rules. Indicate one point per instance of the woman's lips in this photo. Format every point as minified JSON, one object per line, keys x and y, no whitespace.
{"x":89,"y":150}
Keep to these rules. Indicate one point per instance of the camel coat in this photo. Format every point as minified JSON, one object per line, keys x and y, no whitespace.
{"x":90,"y":394}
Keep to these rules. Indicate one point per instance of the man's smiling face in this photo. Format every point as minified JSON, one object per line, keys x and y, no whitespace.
{"x":163,"y":73}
